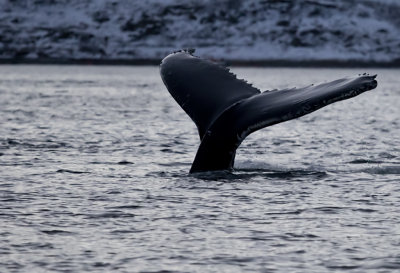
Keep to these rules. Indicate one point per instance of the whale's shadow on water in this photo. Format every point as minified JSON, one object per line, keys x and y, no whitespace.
{"x":247,"y":171}
{"x":244,"y":174}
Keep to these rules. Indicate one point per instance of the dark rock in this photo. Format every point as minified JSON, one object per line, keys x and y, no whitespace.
{"x":283,"y":23}
{"x":100,"y":17}
{"x":144,"y":27}
{"x":298,"y":42}
{"x":315,"y":12}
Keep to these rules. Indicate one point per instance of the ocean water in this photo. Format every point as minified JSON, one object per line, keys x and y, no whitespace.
{"x":94,"y":165}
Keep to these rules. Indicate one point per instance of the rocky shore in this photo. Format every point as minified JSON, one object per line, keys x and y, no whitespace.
{"x":238,"y":32}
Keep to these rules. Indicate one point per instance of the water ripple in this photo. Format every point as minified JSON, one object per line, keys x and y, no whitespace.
{"x":94,"y":177}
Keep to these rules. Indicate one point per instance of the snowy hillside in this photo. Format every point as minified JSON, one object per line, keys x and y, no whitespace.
{"x":234,"y":30}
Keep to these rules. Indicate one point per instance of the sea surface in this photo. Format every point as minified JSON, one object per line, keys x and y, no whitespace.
{"x":94,"y":164}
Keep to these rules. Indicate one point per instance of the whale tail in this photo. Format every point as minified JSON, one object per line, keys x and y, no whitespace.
{"x":226,"y":109}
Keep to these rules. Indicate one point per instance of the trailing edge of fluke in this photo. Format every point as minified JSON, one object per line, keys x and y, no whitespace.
{"x":226,"y":109}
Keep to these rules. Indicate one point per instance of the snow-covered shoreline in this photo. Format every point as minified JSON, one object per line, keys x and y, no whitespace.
{"x":243,"y":32}
{"x":225,"y":62}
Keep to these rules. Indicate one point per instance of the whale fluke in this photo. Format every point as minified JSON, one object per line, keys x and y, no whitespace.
{"x":226,"y":109}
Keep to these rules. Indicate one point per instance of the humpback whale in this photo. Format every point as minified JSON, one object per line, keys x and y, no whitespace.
{"x":226,"y":109}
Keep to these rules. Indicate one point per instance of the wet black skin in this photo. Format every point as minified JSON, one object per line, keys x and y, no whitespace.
{"x":226,"y":109}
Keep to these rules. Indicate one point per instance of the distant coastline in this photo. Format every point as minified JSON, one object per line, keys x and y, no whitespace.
{"x":233,"y":62}
{"x":244,"y":33}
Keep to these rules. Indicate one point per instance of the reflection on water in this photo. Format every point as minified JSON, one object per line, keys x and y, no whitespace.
{"x":94,"y":176}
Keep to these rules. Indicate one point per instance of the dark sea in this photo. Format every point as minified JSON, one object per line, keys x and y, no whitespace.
{"x":94,"y":164}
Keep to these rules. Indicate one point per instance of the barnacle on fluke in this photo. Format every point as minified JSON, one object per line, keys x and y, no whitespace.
{"x":226,"y":109}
